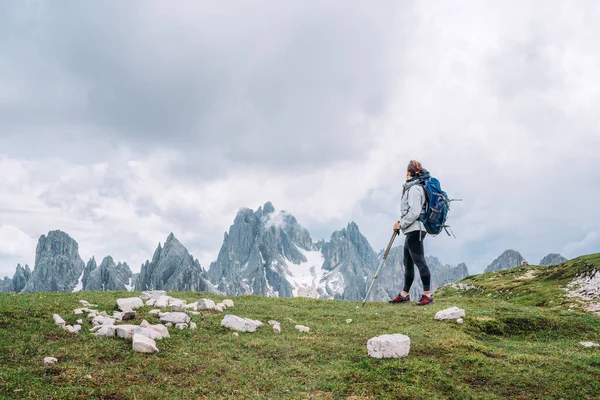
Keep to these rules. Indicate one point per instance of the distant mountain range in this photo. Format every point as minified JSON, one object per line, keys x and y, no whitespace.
{"x":266,"y":252}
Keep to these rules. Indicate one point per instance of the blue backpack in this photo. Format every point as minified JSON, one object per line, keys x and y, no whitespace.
{"x":437,"y":205}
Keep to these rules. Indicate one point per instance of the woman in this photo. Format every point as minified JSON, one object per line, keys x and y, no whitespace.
{"x":413,"y":201}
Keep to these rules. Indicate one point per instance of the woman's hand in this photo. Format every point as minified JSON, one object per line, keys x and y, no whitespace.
{"x":397,"y":226}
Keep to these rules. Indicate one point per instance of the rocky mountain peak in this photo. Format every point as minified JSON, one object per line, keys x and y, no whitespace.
{"x":58,"y":265}
{"x":508,"y":259}
{"x":172,"y":268}
{"x":552,"y":259}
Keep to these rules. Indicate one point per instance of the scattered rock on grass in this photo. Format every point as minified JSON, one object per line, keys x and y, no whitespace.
{"x":389,"y":346}
{"x":175,"y":318}
{"x":152,"y":294}
{"x":143,"y":344}
{"x":228,"y":303}
{"x":125,"y":331}
{"x":50,"y":360}
{"x":589,"y":344}
{"x":155,"y":311}
{"x":205,"y":304}
{"x":240,"y":324}
{"x":450,"y":313}
{"x":181,"y":326}
{"x":59,"y":321}
{"x":130,"y":303}
{"x":277,"y":328}
{"x":348,"y":321}
{"x":459,"y":321}
{"x":301,"y":328}
{"x":193,"y":325}
{"x":106,"y":330}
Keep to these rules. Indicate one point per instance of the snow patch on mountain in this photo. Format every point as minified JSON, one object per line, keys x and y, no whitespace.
{"x":79,"y":286}
{"x":305,"y":277}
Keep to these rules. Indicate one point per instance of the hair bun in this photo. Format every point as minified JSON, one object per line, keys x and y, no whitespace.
{"x":414,"y":167}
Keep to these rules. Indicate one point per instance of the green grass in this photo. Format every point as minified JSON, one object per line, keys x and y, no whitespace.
{"x":514,"y":344}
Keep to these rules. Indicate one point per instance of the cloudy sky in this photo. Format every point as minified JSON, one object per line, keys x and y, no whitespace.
{"x":123,"y":121}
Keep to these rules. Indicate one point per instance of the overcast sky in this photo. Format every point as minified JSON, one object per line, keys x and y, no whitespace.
{"x":121,"y":122}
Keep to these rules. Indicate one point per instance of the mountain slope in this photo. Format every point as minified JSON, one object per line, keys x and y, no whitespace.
{"x":505,"y":349}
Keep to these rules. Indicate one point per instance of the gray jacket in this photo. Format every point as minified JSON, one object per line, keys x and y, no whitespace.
{"x":411,"y":206}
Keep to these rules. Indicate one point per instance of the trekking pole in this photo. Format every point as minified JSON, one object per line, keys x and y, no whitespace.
{"x":396,"y":233}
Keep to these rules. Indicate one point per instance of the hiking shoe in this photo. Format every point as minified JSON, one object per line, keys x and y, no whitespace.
{"x":400,"y":299}
{"x":424,"y":300}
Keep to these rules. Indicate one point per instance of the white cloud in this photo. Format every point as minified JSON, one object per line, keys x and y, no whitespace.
{"x":589,"y":244}
{"x":498,"y":104}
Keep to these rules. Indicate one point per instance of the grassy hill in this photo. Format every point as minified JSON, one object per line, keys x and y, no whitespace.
{"x":519,"y":340}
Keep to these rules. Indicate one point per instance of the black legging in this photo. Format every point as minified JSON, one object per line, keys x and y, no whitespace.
{"x":414,"y":254}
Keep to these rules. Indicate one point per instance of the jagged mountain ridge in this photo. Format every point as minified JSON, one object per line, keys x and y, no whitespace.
{"x":172,"y":268}
{"x":106,"y":276}
{"x":265,"y":252}
{"x":269,"y":253}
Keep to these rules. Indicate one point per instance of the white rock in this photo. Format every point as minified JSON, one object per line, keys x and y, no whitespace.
{"x":145,"y":324}
{"x":178,"y":307}
{"x":106,"y":330}
{"x":236,"y":334}
{"x":50,"y":360}
{"x":125,"y":331}
{"x":169,"y":324}
{"x":273,"y":323}
{"x":152,"y":332}
{"x":155,"y":311}
{"x":77,"y":328}
{"x":218,"y":309}
{"x":193,"y":325}
{"x":181,"y":326}
{"x":192,"y":306}
{"x":143,"y":344}
{"x":240,"y":324}
{"x":58,"y":321}
{"x":450,"y":313}
{"x":93,"y":306}
{"x":222,"y":306}
{"x":101,"y":320}
{"x":302,"y":328}
{"x":162,"y":302}
{"x":130,"y":303}
{"x":70,"y":329}
{"x":104,"y":314}
{"x":152,"y":294}
{"x":80,"y":321}
{"x":589,"y":344}
{"x":79,"y":311}
{"x":173,"y":301}
{"x":151,"y":302}
{"x":228,"y":303}
{"x":194,"y":312}
{"x":277,"y":328}
{"x":206,"y":304}
{"x":84,"y":303}
{"x":459,"y":321}
{"x":389,"y":346}
{"x":348,"y":321}
{"x":118,"y":316}
{"x":175,"y":318}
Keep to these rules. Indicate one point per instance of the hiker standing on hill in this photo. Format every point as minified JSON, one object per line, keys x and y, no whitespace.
{"x":413,"y":202}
